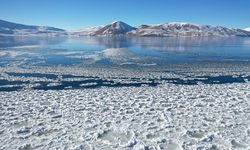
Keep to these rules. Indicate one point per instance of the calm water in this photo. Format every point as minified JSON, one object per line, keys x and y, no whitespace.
{"x":120,"y":50}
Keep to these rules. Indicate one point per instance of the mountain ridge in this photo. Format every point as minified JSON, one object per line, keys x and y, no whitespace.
{"x":16,"y":29}
{"x":247,"y":29}
{"x":169,"y":29}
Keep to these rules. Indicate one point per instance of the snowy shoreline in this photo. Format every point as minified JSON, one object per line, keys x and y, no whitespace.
{"x":166,"y":116}
{"x":169,"y":116}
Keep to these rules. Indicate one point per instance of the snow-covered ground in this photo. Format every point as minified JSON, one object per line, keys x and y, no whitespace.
{"x":167,"y":116}
{"x":164,"y":117}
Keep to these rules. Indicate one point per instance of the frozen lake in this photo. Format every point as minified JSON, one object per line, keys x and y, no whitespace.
{"x":138,"y":51}
{"x":132,"y":53}
{"x":124,"y":93}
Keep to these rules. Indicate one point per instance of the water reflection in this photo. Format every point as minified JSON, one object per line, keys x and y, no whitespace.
{"x":121,"y":50}
{"x":12,"y":41}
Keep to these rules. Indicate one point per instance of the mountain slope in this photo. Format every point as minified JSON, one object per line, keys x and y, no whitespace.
{"x":15,"y":29}
{"x":173,"y":29}
{"x":115,"y":28}
{"x":247,"y":29}
{"x":86,"y":31}
{"x":186,"y":29}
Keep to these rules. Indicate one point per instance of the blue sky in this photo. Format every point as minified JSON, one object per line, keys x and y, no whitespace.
{"x":75,"y":14}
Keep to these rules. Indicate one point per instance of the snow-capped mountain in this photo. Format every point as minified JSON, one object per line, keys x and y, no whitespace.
{"x":14,"y":29}
{"x":247,"y":29}
{"x":186,"y":29}
{"x":115,"y":28}
{"x":86,"y":31}
{"x":173,"y":29}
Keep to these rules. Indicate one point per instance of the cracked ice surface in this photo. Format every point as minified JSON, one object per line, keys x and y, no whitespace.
{"x":164,"y":117}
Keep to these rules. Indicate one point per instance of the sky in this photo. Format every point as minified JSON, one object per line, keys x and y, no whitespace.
{"x":77,"y":14}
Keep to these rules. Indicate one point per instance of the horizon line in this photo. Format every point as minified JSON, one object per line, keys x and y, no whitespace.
{"x":111,"y":22}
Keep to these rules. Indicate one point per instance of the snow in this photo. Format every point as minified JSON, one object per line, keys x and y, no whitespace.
{"x":128,"y":118}
{"x":14,"y":29}
{"x":247,"y":29}
{"x":121,"y":28}
{"x":186,"y":29}
{"x":121,"y":25}
{"x":165,"y":29}
{"x":168,"y":116}
{"x":86,"y":31}
{"x":116,"y":27}
{"x":177,"y":23}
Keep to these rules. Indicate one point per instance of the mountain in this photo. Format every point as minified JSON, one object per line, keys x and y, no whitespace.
{"x":86,"y":31}
{"x":172,"y":29}
{"x":247,"y":29}
{"x":15,"y":29}
{"x":176,"y":29}
{"x":115,"y":28}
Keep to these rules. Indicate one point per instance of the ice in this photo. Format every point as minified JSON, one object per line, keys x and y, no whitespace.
{"x":238,"y":145}
{"x":166,"y":116}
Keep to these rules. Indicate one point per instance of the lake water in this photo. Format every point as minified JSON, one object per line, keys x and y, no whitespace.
{"x":124,"y":93}
{"x":140,"y":51}
{"x":124,"y":52}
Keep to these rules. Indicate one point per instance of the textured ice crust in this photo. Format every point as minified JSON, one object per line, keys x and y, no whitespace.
{"x":165,"y":117}
{"x":168,"y":116}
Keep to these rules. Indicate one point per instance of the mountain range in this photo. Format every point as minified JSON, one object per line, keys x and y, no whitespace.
{"x":172,"y":29}
{"x":15,"y":29}
{"x":247,"y":29}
